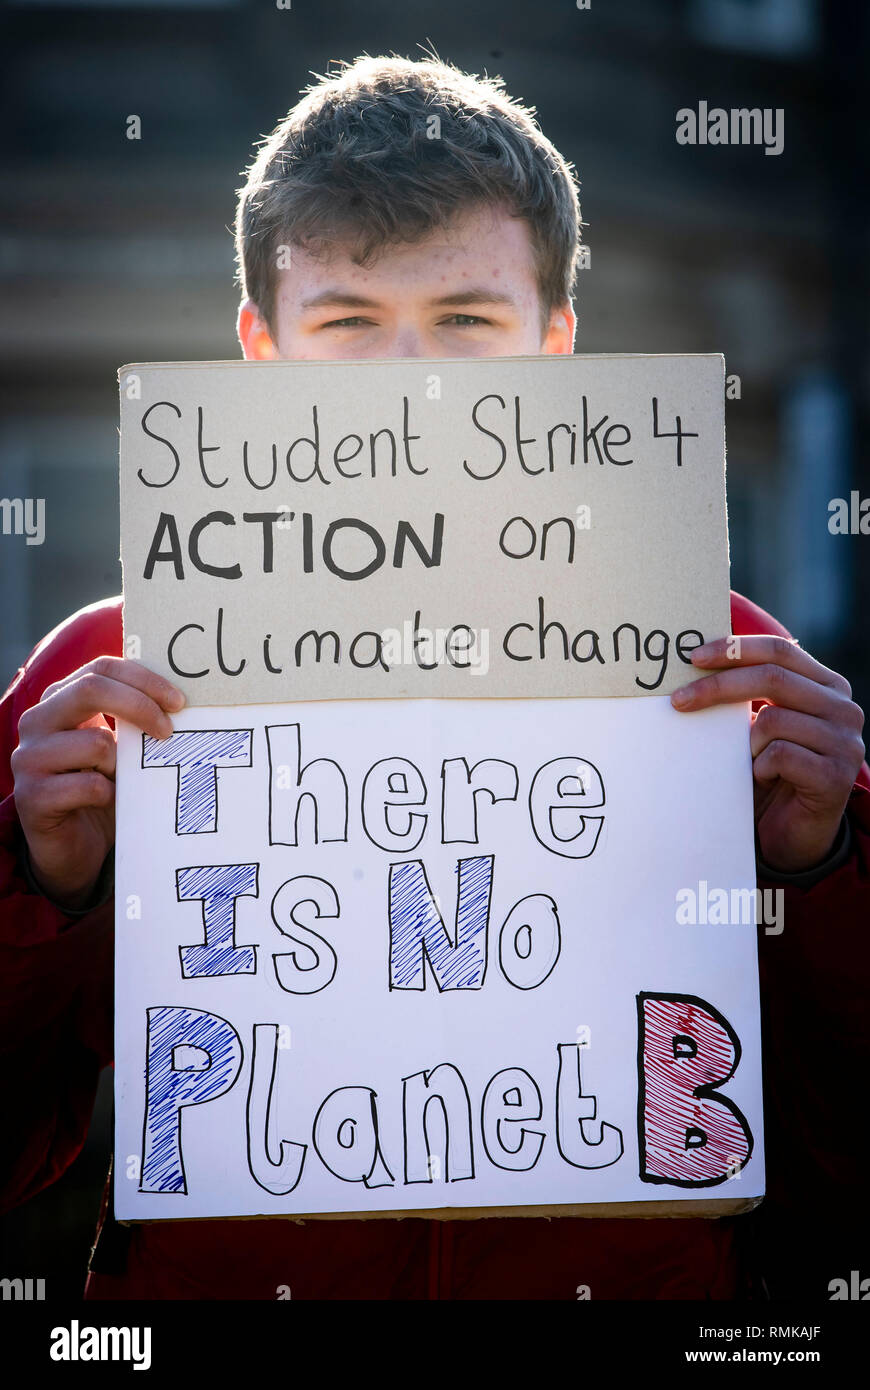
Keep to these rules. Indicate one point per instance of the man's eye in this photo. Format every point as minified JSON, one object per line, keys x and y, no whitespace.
{"x":353,"y":322}
{"x":466,"y":320}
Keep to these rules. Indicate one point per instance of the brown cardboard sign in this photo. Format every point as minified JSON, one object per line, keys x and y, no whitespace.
{"x":501,"y":527}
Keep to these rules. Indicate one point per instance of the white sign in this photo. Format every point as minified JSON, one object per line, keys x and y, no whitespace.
{"x":436,"y":956}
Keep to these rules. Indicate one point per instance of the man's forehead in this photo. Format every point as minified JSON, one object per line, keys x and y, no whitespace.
{"x":476,"y":258}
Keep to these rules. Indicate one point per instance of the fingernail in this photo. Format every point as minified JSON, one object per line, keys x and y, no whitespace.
{"x":681,"y":697}
{"x":176,"y":700}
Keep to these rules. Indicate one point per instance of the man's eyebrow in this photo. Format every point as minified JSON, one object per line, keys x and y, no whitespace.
{"x":479,"y":294}
{"x":339,"y":299}
{"x":347,"y":299}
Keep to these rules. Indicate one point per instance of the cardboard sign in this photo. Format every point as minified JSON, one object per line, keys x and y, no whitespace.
{"x":502,"y":527}
{"x":467,"y":955}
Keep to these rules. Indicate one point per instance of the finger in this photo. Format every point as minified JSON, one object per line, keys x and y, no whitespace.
{"x":68,"y":792}
{"x":91,"y":694}
{"x":757,"y":649}
{"x":129,"y":672}
{"x":820,"y":735}
{"x":70,"y":751}
{"x":766,"y":682}
{"x":803,"y":769}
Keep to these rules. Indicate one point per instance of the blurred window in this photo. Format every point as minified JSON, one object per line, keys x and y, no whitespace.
{"x":781,"y":28}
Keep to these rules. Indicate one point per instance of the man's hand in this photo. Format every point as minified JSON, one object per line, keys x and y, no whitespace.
{"x":805,"y":740}
{"x":64,"y":768}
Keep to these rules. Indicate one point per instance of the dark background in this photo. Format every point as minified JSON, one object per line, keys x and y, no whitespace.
{"x":114,"y":250}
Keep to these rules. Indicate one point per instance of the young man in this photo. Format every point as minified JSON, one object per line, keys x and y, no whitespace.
{"x":409,"y":210}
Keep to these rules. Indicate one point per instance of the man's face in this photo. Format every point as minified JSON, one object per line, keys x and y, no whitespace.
{"x":467,"y":291}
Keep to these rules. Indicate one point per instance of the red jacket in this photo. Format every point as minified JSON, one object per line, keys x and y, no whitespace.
{"x":56,"y":986}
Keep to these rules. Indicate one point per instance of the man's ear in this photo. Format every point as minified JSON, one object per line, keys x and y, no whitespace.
{"x":559,"y":337}
{"x":254,"y":336}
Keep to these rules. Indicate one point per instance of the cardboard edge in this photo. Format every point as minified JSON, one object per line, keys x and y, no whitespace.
{"x":193,"y":363}
{"x":708,"y":1209}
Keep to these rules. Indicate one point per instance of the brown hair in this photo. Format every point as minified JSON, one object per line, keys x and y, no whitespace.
{"x":387,"y":150}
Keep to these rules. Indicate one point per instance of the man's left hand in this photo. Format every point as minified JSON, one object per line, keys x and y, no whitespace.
{"x":805,"y":740}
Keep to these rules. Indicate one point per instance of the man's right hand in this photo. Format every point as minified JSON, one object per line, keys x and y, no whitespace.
{"x":64,"y":768}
